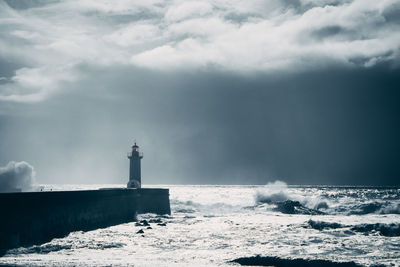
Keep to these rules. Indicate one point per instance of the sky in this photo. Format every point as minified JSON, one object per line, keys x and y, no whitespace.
{"x":214,"y":92}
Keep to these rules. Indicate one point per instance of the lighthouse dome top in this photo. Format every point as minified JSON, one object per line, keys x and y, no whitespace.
{"x":135,"y":146}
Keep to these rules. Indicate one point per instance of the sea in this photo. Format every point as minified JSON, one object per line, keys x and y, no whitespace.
{"x":215,"y":225}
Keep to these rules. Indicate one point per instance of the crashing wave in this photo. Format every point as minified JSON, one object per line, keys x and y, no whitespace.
{"x":320,"y":225}
{"x":383,"y":229}
{"x":42,"y":249}
{"x":391,"y":208}
{"x":193,"y":207}
{"x":17,"y":177}
{"x":51,"y":247}
{"x":295,"y":207}
{"x":392,"y":229}
{"x":276,"y":194}
{"x":376,"y":207}
{"x":346,"y":201}
{"x":271,"y":198}
{"x":362,"y":209}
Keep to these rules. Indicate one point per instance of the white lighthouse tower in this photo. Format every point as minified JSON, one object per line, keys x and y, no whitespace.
{"x":135,"y":180}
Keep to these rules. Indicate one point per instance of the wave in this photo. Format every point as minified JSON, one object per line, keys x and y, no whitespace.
{"x":320,"y":225}
{"x":294,"y":207}
{"x":275,"y":261}
{"x":347,"y":201}
{"x":390,"y":208}
{"x":273,"y":192}
{"x":279,"y":197}
{"x":51,"y":247}
{"x":43,"y":249}
{"x":390,"y":230}
{"x":178,"y":206}
{"x":367,"y":208}
{"x":375,"y":207}
{"x":277,"y":194}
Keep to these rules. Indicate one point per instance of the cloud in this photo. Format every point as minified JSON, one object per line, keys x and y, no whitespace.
{"x":135,"y":34}
{"x":34,"y":84}
{"x":16,"y":176}
{"x":187,"y":9}
{"x":50,"y":40}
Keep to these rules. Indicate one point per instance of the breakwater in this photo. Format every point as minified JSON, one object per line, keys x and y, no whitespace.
{"x":37,"y":217}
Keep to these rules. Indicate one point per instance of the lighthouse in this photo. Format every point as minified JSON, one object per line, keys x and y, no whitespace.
{"x":135,"y":180}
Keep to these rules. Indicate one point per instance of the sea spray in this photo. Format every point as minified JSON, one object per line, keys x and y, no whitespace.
{"x":278,"y":194}
{"x":273,"y":192}
{"x":17,"y":176}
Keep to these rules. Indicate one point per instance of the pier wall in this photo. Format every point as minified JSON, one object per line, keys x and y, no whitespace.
{"x":152,"y":200}
{"x":37,"y":217}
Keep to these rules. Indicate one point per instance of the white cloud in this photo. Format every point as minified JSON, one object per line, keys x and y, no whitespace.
{"x":185,"y":10}
{"x":203,"y":27}
{"x":241,"y":36}
{"x":189,"y":53}
{"x":135,"y":34}
{"x":35,"y":84}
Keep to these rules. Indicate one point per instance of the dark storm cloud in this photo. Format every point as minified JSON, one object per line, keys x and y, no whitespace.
{"x":214,"y":92}
{"x":301,"y":6}
{"x":7,"y":70}
{"x":316,"y":128}
{"x":319,"y":127}
{"x":328,"y":31}
{"x":392,"y":14}
{"x":25,"y":4}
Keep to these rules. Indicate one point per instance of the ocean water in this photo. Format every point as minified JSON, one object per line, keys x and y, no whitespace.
{"x":213,"y":225}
